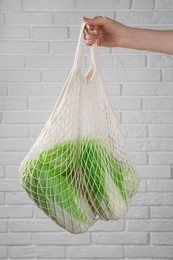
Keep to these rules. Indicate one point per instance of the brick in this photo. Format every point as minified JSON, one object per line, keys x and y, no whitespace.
{"x":3,"y":226}
{"x":132,"y":61}
{"x":10,"y":185}
{"x":137,"y":212}
{"x":150,"y":225}
{"x":55,"y":75}
{"x":160,"y":61}
{"x":162,"y":239}
{"x":119,"y":238}
{"x":3,"y":89}
{"x":116,"y":259}
{"x":34,"y":117}
{"x":11,"y":158}
{"x":153,"y":199}
{"x":140,"y":4}
{"x":106,"y":61}
{"x":108,"y":226}
{"x":50,"y":251}
{"x":16,"y":144}
{"x":15,"y":239}
{"x":101,"y":5}
{"x":99,"y":258}
{"x":134,"y":131}
{"x":10,"y":5}
{"x":33,"y":225}
{"x":2,"y":197}
{"x":160,"y":185}
{"x":74,"y":19}
{"x":12,"y":61}
{"x":167,"y":75}
{"x":27,"y":47}
{"x":122,"y":61}
{"x":12,"y":171}
{"x":1,"y":171}
{"x":113,"y":89}
{"x":157,"y":103}
{"x":51,"y":61}
{"x":149,"y":251}
{"x":18,"y":198}
{"x":147,"y":89}
{"x":35,"y":130}
{"x":164,"y":4}
{"x":43,"y":103}
{"x":161,"y":131}
{"x":15,"y":211}
{"x":35,"y":89}
{"x":58,"y":239}
{"x":63,"y":47}
{"x":8,"y":103}
{"x":148,"y":117}
{"x":144,"y":17}
{"x":123,"y":103}
{"x":28,"y":18}
{"x":154,"y":172}
{"x":136,"y":75}
{"x":162,"y":212}
{"x":158,"y":258}
{"x":0,"y":117}
{"x":94,"y":251}
{"x":21,"y":252}
{"x":48,"y":5}
{"x":14,"y":32}
{"x":1,"y":18}
{"x":13,"y":131}
{"x":161,"y":158}
{"x":19,"y":75}
{"x":3,"y":252}
{"x":149,"y":144}
{"x":139,"y":158}
{"x":49,"y":33}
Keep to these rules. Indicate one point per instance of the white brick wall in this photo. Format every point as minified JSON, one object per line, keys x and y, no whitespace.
{"x":37,"y":45}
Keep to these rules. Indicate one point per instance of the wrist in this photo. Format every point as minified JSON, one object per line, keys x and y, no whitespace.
{"x":127,"y":37}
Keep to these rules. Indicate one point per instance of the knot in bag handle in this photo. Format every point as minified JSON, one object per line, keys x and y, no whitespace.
{"x":79,"y":50}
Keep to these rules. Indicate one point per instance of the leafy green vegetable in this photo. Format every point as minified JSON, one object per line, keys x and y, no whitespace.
{"x":53,"y":182}
{"x":77,"y":181}
{"x":104,"y":180}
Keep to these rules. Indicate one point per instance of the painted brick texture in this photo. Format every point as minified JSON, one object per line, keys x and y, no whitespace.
{"x":37,"y":45}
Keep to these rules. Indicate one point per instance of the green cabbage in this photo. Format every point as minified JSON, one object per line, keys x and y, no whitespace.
{"x":77,"y":182}
{"x":50,"y":180}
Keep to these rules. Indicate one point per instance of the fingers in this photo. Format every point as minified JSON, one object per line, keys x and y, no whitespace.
{"x":91,"y":33}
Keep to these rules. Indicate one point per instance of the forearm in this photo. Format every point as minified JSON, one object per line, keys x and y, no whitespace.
{"x":150,"y":40}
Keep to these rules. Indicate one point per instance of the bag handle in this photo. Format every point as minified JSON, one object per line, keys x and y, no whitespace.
{"x":79,"y":49}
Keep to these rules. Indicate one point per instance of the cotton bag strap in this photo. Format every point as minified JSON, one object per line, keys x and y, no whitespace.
{"x":79,"y":51}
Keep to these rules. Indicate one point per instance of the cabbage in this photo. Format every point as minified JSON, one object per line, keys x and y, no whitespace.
{"x":50,"y":180}
{"x":77,"y":182}
{"x":104,"y":180}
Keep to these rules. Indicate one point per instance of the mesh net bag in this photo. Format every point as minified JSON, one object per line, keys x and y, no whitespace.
{"x":79,"y":170}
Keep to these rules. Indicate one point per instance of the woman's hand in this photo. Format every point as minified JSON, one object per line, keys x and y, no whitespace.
{"x":104,"y":31}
